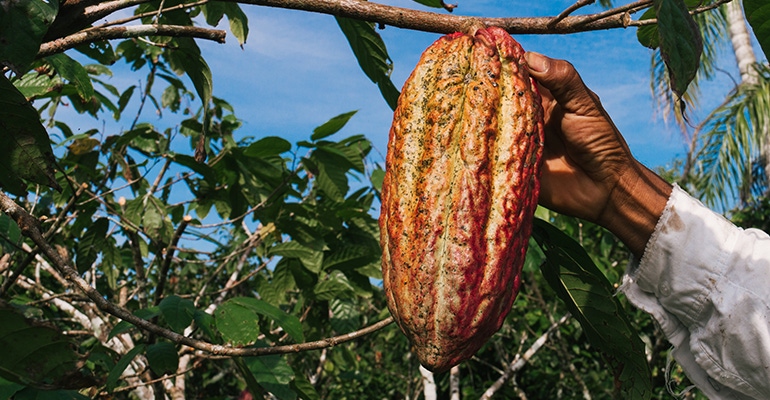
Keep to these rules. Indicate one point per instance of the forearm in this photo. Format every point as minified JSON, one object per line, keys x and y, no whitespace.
{"x":635,"y":206}
{"x":707,"y":283}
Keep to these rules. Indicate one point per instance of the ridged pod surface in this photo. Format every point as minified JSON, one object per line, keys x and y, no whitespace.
{"x":460,"y":190}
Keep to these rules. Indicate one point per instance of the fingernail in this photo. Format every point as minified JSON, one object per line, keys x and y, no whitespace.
{"x":536,"y":61}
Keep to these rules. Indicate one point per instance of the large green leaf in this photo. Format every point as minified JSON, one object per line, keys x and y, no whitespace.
{"x":26,"y":151}
{"x":758,"y":14}
{"x":22,"y":27}
{"x":372,"y":55}
{"x":239,"y":23}
{"x":90,"y":244}
{"x":332,"y":126}
{"x":237,"y":320}
{"x":163,"y":358}
{"x":274,"y":374}
{"x":10,"y":234}
{"x":186,"y":58}
{"x":311,"y":258}
{"x":591,"y":299}
{"x":177,"y":312}
{"x":680,"y":42}
{"x":37,"y":354}
{"x":121,"y":365}
{"x":267,"y":146}
{"x":74,"y":73}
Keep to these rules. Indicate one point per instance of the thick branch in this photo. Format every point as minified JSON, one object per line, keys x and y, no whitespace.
{"x":442,"y":23}
{"x":125,"y":32}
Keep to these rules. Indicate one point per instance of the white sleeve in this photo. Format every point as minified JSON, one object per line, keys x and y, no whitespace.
{"x":707,"y":283}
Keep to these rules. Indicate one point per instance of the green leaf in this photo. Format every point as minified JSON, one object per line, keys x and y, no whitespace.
{"x":89,"y":246}
{"x":36,"y":354}
{"x":274,"y":374}
{"x":22,"y":27}
{"x":336,"y":285}
{"x":213,"y":11}
{"x":120,"y":366}
{"x":680,"y":43}
{"x":177,"y":312}
{"x":332,"y":126}
{"x":372,"y":55}
{"x":8,"y":388}
{"x":267,"y":146}
{"x":248,"y":309}
{"x":187,"y":58}
{"x":10,"y":234}
{"x":431,"y":3}
{"x":26,"y":152}
{"x":648,"y":34}
{"x":378,"y":175}
{"x":312,"y":259}
{"x":74,"y":73}
{"x":345,"y":317}
{"x":590,"y":298}
{"x":304,"y":389}
{"x":239,"y":22}
{"x":38,"y":394}
{"x":758,"y":15}
{"x":99,"y":51}
{"x":163,"y":358}
{"x":206,"y":323}
{"x":34,"y":85}
{"x":123,"y":326}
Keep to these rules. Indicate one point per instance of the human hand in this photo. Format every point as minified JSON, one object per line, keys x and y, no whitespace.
{"x":588,"y":170}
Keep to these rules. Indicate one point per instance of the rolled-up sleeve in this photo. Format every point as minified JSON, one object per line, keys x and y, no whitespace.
{"x":707,"y":283}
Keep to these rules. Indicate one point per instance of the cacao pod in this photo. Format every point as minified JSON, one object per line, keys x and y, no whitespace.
{"x":460,"y":190}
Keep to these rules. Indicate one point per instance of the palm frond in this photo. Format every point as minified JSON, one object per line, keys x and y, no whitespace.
{"x":729,"y":146}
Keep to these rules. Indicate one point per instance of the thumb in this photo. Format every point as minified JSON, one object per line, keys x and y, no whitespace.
{"x":564,"y":83}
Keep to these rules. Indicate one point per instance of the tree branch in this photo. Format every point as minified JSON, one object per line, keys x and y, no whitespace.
{"x":125,"y":32}
{"x":441,"y":23}
{"x":163,"y":273}
{"x":521,"y":360}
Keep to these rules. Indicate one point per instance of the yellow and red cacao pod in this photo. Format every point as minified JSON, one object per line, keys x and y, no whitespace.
{"x":460,"y":190}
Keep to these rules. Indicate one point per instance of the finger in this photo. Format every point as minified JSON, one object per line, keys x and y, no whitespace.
{"x":564,"y":83}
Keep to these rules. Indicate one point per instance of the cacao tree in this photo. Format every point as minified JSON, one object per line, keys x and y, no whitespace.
{"x":189,"y":256}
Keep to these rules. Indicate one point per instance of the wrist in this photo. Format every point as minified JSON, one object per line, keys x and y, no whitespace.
{"x":635,"y":206}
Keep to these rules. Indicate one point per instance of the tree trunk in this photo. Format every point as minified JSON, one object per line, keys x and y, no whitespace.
{"x":739,"y":35}
{"x":745,"y":57}
{"x":428,"y":384}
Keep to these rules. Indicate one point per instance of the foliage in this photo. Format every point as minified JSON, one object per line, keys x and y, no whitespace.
{"x":228,"y":242}
{"x":729,"y":163}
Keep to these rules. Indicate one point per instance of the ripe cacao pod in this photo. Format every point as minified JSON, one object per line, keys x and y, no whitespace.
{"x":460,"y":190}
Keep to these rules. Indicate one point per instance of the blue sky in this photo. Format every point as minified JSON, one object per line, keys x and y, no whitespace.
{"x":296,"y":71}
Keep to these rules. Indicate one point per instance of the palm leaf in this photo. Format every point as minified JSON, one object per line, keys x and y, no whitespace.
{"x":729,"y":144}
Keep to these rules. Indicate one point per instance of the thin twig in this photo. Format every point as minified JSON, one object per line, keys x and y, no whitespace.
{"x":521,"y":360}
{"x":163,"y":273}
{"x":125,"y":32}
{"x":150,"y":382}
{"x":569,"y":10}
{"x":147,"y":14}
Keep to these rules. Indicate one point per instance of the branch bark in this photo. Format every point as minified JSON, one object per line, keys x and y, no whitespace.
{"x":125,"y":32}
{"x":441,"y":23}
